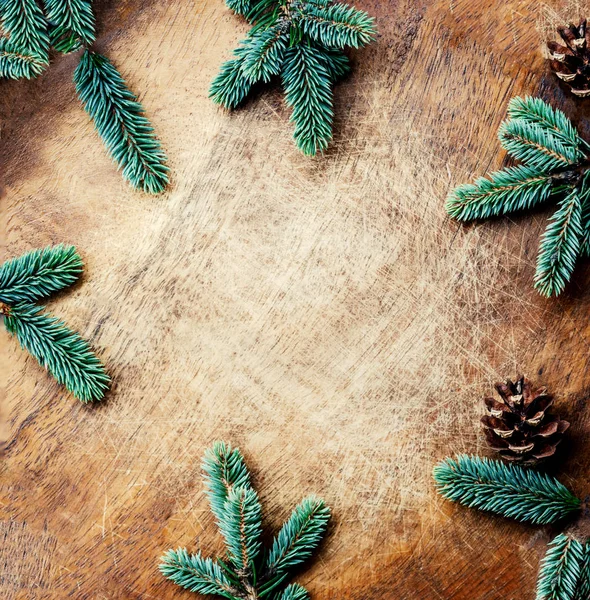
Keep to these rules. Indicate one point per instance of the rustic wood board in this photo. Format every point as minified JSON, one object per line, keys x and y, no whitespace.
{"x":323,"y":314}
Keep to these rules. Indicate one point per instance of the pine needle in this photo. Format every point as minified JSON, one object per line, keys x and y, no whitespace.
{"x":583,"y":591}
{"x":72,"y":24}
{"x":560,"y":246}
{"x":39,"y":273}
{"x":196,"y":574}
{"x":337,"y":25}
{"x":241,"y":526}
{"x":560,"y":569}
{"x":62,"y":352}
{"x":299,"y":536}
{"x":308,"y":91}
{"x":293,"y":592}
{"x":506,"y":490}
{"x":119,"y":120}
{"x":265,"y":53}
{"x":225,"y":470}
{"x":506,"y":191}
{"x":16,"y":64}
{"x":27,"y":28}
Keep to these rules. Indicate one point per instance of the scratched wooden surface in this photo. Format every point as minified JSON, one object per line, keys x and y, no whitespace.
{"x":323,"y":315}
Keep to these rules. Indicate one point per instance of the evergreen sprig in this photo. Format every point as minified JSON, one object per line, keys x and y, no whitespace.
{"x":248,"y":572}
{"x":504,"y":489}
{"x":66,"y":356}
{"x":561,"y":569}
{"x":119,"y":120}
{"x":301,"y":41}
{"x":555,"y":162}
{"x":69,"y":25}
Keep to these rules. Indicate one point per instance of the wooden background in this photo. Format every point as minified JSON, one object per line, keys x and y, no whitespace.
{"x":323,"y":314}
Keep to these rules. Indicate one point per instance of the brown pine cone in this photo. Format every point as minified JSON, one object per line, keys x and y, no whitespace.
{"x":571,"y":60}
{"x":518,"y":426}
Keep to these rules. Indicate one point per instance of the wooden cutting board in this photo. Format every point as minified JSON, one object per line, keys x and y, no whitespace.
{"x":322,"y":314}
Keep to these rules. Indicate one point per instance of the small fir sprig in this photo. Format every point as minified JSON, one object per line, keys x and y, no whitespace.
{"x":67,"y":357}
{"x":67,"y":26}
{"x":528,"y":496}
{"x":555,"y":163}
{"x":301,"y":41}
{"x":247,"y":572}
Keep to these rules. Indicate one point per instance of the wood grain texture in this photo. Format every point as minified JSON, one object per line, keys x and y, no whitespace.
{"x":323,"y":314}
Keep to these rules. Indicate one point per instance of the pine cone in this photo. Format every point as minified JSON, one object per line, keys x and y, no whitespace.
{"x":572,"y":61}
{"x":518,"y":427}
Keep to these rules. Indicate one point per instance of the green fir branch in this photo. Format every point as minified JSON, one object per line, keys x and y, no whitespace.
{"x":16,"y":64}
{"x":560,"y":569}
{"x":231,"y":85}
{"x":224,"y":470}
{"x":530,"y":143}
{"x":66,"y":356}
{"x":560,"y":246}
{"x":585,"y":218}
{"x":308,"y":90}
{"x":535,"y":111}
{"x":298,"y":537}
{"x":506,"y":191}
{"x":337,"y":25}
{"x":264,"y":55}
{"x":504,"y":489}
{"x":249,"y":572}
{"x":72,"y":24}
{"x":120,"y":121}
{"x":241,"y":527}
{"x":334,"y":61}
{"x":26,"y":26}
{"x":197,"y":574}
{"x":293,"y":592}
{"x":39,"y":273}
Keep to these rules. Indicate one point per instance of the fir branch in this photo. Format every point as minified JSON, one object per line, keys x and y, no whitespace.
{"x":293,"y":592}
{"x":197,"y":574}
{"x":585,"y":217}
{"x":583,"y":589}
{"x":560,"y":569}
{"x":231,"y":85}
{"x":264,"y":54}
{"x":72,"y":24}
{"x":530,"y":143}
{"x":39,"y":273}
{"x":337,"y":25}
{"x":26,"y":26}
{"x":506,"y":191}
{"x":535,"y":111}
{"x":15,"y":64}
{"x":225,"y":470}
{"x":308,"y":91}
{"x":61,"y":351}
{"x":504,"y":489}
{"x":241,"y":527}
{"x":120,"y":121}
{"x":247,"y":575}
{"x":299,"y":537}
{"x":560,"y":246}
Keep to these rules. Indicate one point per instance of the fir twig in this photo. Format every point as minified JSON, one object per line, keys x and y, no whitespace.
{"x":583,"y":591}
{"x":507,"y":490}
{"x":302,"y":42}
{"x":39,"y":273}
{"x":560,"y":570}
{"x":119,"y":120}
{"x":26,"y":27}
{"x":554,"y":163}
{"x":61,"y":351}
{"x":248,"y":574}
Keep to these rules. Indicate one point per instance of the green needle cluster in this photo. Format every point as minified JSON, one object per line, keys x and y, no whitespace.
{"x":555,"y":163}
{"x":302,"y":42}
{"x":67,"y":357}
{"x":248,"y":571}
{"x":67,"y":26}
{"x":528,"y":496}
